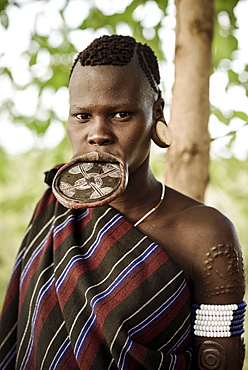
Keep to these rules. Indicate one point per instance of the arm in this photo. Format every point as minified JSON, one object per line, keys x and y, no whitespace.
{"x":218,"y":280}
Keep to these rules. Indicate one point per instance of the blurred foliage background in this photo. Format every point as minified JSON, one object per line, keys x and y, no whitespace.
{"x":39,"y":41}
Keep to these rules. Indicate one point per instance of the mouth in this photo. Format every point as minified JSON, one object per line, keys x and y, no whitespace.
{"x":91,"y":180}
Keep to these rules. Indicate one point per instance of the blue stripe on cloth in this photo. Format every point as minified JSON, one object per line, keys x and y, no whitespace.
{"x":33,"y":257}
{"x":11,"y":354}
{"x":125,"y":273}
{"x":173,"y":362}
{"x":42,"y":293}
{"x":162,"y":309}
{"x":60,"y":354}
{"x":61,"y":227}
{"x":40,"y":247}
{"x":18,"y":261}
{"x":89,"y":253}
{"x":99,"y":297}
{"x":181,"y":340}
{"x":68,"y":220}
{"x":145,"y":323}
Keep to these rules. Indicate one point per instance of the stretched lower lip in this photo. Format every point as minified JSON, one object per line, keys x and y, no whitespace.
{"x":90,"y":180}
{"x":96,"y":157}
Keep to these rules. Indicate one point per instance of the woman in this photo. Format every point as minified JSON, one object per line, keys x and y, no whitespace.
{"x":115,"y":267}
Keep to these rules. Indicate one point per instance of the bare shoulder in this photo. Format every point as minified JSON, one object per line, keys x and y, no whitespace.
{"x":198,"y":222}
{"x":207,"y":224}
{"x":208,"y":249}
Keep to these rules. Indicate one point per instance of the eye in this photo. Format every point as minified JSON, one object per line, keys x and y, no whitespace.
{"x":121,"y":115}
{"x":82,"y":116}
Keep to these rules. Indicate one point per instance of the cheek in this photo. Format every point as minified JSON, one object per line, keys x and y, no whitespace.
{"x":74,"y":137}
{"x":73,"y":132}
{"x":69,"y":130}
{"x":137,"y":147}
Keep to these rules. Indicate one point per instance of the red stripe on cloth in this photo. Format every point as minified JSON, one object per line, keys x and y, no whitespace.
{"x":33,"y":268}
{"x":133,"y":281}
{"x":73,"y":227}
{"x":45,"y":308}
{"x":187,"y":342}
{"x":91,"y":347}
{"x":105,"y":306}
{"x":47,"y":198}
{"x":11,"y":365}
{"x":83,"y":266}
{"x":68,"y":361}
{"x":181,"y":362}
{"x":12,"y":291}
{"x":163,"y":320}
{"x":136,"y":357}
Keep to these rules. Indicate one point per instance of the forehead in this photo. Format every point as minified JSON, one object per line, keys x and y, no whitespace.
{"x":111,"y":81}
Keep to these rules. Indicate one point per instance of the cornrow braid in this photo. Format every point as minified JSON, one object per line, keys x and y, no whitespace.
{"x":148,"y":63}
{"x":118,"y":50}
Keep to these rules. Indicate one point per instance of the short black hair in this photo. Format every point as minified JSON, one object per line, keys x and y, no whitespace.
{"x":117,"y":50}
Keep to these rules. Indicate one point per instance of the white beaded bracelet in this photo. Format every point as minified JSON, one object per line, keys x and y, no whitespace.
{"x":218,"y":321}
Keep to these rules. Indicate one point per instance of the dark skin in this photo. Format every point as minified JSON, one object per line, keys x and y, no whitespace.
{"x":114,"y":110}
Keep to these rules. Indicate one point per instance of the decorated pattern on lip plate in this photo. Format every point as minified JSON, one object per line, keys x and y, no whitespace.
{"x":90,"y":180}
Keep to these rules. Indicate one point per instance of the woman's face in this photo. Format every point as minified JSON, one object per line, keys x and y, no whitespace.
{"x":112,"y":110}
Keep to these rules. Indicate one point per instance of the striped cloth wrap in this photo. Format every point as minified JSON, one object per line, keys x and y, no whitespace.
{"x":90,"y":291}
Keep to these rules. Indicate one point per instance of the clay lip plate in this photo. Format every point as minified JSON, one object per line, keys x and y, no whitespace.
{"x":90,"y":180}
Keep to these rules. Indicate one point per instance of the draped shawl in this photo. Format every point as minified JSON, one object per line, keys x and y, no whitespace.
{"x":90,"y":291}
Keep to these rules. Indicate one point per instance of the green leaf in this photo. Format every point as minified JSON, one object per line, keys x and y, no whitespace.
{"x":4,"y":19}
{"x":33,"y":59}
{"x":162,"y":4}
{"x":227,"y":6}
{"x":221,"y":117}
{"x":241,"y":115}
{"x":233,"y":77}
{"x":7,"y":72}
{"x":223,"y":47}
{"x":3,"y":4}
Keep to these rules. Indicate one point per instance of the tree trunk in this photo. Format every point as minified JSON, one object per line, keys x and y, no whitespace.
{"x":188,"y":157}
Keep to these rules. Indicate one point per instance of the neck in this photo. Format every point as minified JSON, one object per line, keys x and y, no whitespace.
{"x":142,"y":193}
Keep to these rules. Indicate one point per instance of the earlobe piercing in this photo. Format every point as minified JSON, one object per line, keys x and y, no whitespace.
{"x":163,"y":133}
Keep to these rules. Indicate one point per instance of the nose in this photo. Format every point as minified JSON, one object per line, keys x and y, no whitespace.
{"x":100,"y":134}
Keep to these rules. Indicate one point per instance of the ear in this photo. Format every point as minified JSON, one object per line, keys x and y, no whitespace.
{"x":161,"y":135}
{"x":158,"y":109}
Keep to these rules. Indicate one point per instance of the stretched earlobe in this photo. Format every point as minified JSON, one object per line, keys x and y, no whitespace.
{"x":163,"y":135}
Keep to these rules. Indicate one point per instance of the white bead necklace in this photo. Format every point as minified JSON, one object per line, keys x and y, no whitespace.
{"x":153,"y":209}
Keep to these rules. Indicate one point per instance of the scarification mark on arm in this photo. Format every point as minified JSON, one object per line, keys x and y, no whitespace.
{"x":223,"y":263}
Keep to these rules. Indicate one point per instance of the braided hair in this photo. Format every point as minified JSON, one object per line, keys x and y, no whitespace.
{"x":117,"y":50}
